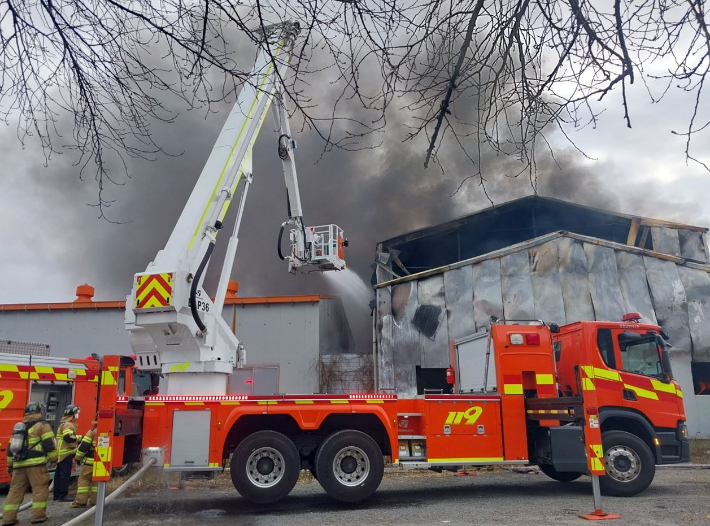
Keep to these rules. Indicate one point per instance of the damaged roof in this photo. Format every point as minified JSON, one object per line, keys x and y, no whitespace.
{"x":528,"y":218}
{"x":518,"y":247}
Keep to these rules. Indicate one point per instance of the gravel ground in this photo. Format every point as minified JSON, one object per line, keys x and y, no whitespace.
{"x":677,"y":496}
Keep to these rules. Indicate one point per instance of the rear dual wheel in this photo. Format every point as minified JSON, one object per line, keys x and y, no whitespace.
{"x":349,"y":465}
{"x":265,"y":467}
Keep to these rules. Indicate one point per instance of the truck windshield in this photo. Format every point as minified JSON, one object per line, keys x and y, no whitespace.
{"x":641,"y":356}
{"x":141,"y":384}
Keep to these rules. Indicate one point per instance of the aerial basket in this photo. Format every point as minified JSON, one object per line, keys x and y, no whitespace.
{"x":317,"y":248}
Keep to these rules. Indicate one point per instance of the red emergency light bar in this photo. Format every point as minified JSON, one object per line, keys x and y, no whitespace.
{"x":196,"y":398}
{"x":358,"y":396}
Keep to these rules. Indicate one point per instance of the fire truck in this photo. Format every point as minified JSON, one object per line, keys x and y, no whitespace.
{"x":58,"y":382}
{"x":588,"y":398}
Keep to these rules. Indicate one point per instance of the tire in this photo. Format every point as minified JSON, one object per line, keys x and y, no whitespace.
{"x":629,"y":462}
{"x":349,"y":465}
{"x":561,"y":476}
{"x":265,"y":467}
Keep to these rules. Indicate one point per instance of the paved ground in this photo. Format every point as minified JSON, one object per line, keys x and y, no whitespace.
{"x":677,"y":496}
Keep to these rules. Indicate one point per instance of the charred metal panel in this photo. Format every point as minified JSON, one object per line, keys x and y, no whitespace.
{"x":546,"y":287}
{"x":692,"y":245}
{"x":487,"y":296}
{"x":665,"y":240}
{"x":574,"y":280}
{"x":634,"y":286}
{"x":517,"y":287}
{"x":434,"y":350}
{"x":427,"y":319}
{"x":697,"y":290}
{"x":385,"y":344}
{"x":669,"y":301}
{"x":604,"y":282}
{"x":458,"y":287}
{"x":406,"y":355}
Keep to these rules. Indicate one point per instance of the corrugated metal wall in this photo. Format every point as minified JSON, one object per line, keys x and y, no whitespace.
{"x":560,"y":278}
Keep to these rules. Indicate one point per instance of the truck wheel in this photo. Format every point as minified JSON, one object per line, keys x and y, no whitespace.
{"x":630,"y":466}
{"x":265,"y":467}
{"x":562,"y":476}
{"x":349,"y":465}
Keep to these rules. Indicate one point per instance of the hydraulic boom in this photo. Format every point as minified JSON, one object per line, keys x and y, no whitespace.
{"x":174,"y":326}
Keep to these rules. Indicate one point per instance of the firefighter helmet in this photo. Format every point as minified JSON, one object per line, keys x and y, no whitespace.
{"x":33,"y":408}
{"x":71,"y":410}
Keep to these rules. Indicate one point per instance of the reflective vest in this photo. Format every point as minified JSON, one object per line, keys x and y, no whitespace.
{"x":85,"y":451}
{"x":66,"y":438}
{"x":41,"y":445}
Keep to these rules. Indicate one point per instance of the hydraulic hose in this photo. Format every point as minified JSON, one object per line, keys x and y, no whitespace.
{"x":281,"y":233}
{"x":195,"y":284}
{"x":114,"y":494}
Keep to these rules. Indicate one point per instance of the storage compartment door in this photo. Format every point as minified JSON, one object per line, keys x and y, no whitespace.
{"x":191,"y":439}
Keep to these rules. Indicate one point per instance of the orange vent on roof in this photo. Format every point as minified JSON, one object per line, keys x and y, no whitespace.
{"x":232,"y":289}
{"x":84,"y":293}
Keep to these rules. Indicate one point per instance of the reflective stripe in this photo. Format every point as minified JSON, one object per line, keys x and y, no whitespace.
{"x":36,"y":505}
{"x":82,"y":489}
{"x":660,"y":386}
{"x":588,"y":384}
{"x":544,"y":379}
{"x":94,"y":489}
{"x":513,"y":389}
{"x":30,"y":462}
{"x":643,"y":393}
{"x":46,"y":436}
{"x":607,"y":374}
{"x":11,"y":507}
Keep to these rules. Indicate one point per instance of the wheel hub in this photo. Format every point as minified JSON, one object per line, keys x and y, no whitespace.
{"x":351,"y":466}
{"x":622,"y":463}
{"x":348,"y":464}
{"x":265,"y":467}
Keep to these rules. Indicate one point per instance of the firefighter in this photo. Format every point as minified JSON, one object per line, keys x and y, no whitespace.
{"x":85,"y":456}
{"x":66,"y":446}
{"x":28,"y":466}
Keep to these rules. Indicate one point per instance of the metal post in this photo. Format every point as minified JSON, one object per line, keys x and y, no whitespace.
{"x":596,"y":493}
{"x":598,"y":513}
{"x":100,"y":501}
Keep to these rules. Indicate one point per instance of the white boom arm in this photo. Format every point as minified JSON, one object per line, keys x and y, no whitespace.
{"x":174,"y":326}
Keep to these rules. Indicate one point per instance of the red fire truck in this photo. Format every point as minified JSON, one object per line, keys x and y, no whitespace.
{"x":590,"y":397}
{"x":58,"y":382}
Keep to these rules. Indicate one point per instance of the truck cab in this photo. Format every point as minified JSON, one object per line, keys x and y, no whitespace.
{"x":629,"y":370}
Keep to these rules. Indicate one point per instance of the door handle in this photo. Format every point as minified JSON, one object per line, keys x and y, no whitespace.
{"x":630,"y":395}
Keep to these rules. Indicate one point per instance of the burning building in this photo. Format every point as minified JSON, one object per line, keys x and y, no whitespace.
{"x":541,"y":258}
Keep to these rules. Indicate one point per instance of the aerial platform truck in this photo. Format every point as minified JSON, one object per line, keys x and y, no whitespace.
{"x":558,"y":402}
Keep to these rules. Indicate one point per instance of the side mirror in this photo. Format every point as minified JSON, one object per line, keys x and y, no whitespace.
{"x":667,"y":369}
